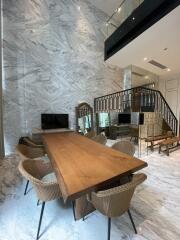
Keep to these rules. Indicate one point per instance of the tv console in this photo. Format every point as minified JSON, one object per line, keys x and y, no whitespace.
{"x":119,"y":130}
{"x":36,"y":134}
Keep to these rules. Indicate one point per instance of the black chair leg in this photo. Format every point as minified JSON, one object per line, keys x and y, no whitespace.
{"x":40,"y":220}
{"x":109,"y":228}
{"x":38,"y":202}
{"x":130,"y":216}
{"x":25,"y":192}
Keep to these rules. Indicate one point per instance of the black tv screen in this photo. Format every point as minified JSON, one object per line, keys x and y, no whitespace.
{"x":54,"y":121}
{"x":124,"y":118}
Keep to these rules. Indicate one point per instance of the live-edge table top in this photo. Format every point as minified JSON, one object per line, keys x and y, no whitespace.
{"x":81,"y":165}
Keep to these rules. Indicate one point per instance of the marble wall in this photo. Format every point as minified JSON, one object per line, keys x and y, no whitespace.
{"x":53,"y":60}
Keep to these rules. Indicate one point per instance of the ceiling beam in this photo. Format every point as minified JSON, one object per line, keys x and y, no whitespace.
{"x":142,"y":18}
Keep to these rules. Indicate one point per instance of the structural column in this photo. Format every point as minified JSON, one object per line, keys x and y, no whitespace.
{"x":1,"y":91}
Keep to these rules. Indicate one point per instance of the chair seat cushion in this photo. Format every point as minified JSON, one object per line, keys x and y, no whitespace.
{"x":51,"y":177}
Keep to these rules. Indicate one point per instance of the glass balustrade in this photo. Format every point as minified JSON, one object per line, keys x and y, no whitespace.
{"x":120,"y":14}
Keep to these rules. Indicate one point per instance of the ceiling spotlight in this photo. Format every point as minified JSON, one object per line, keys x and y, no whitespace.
{"x":119,"y":9}
{"x":79,"y":8}
{"x":146,"y":77}
{"x":133,"y":18}
{"x":168,"y":69}
{"x":145,"y":58}
{"x":107,"y":24}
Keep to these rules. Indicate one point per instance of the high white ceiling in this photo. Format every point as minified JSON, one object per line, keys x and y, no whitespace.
{"x":107,"y":6}
{"x":151,"y":44}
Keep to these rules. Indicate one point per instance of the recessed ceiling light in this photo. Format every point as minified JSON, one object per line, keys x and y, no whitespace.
{"x":119,"y":9}
{"x":133,"y":18}
{"x":107,"y":24}
{"x":168,"y":69}
{"x":146,"y":77}
{"x":145,"y":58}
{"x":79,"y":8}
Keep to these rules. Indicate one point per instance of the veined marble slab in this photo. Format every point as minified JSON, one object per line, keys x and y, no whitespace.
{"x":53,"y":60}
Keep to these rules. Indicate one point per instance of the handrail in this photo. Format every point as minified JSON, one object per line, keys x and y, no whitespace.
{"x":115,"y":102}
{"x":116,"y":11}
{"x":121,"y":13}
{"x":162,"y":98}
{"x":126,"y":90}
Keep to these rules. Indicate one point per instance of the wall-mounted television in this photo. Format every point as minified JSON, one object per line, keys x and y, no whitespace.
{"x":124,"y":118}
{"x":54,"y":121}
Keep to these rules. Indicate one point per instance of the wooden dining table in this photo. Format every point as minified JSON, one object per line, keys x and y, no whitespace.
{"x":83,"y":165}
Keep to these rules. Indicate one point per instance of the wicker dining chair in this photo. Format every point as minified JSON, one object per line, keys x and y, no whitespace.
{"x":29,"y":142}
{"x":26,"y":152}
{"x":90,"y":134}
{"x":101,"y":138}
{"x":46,"y":190}
{"x":116,"y":201}
{"x":125,"y":147}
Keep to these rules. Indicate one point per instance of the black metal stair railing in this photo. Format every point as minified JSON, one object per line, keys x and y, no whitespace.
{"x":138,"y":99}
{"x":161,"y":106}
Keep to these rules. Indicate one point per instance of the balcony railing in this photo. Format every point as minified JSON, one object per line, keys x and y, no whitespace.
{"x":120,"y":14}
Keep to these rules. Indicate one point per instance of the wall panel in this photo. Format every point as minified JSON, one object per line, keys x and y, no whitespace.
{"x":53,"y":60}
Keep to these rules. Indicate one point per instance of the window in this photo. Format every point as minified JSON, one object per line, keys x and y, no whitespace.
{"x":103,"y":119}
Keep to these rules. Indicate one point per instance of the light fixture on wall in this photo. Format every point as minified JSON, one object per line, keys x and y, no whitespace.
{"x":119,"y":9}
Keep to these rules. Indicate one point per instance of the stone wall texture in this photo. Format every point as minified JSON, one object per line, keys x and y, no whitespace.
{"x":52,"y":61}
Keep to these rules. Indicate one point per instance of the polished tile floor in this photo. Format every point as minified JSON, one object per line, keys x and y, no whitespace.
{"x":155,"y":207}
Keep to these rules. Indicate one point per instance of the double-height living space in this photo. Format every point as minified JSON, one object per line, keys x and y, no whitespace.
{"x":89,"y":120}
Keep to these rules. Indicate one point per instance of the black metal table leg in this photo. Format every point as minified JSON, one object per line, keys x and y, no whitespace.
{"x":74,"y":214}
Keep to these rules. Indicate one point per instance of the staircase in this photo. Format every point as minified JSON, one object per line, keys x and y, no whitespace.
{"x":138,"y":99}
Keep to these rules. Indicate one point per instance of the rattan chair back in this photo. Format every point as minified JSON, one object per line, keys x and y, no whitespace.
{"x":116,"y":201}
{"x":101,"y":138}
{"x":125,"y":147}
{"x":34,"y":171}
